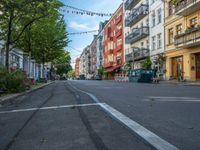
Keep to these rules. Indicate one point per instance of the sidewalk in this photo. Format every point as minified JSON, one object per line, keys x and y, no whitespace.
{"x":185,"y":83}
{"x":10,"y":97}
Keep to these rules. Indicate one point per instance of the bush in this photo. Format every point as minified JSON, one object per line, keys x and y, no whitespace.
{"x":15,"y":81}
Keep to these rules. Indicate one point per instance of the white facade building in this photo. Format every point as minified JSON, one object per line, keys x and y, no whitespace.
{"x":156,"y":23}
{"x":137,"y":37}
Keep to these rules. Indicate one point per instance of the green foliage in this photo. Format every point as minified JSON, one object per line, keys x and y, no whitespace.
{"x":62,"y":63}
{"x":15,"y":81}
{"x":71,"y":74}
{"x":101,"y":71}
{"x":147,"y":63}
{"x":33,"y":25}
{"x":126,"y":67}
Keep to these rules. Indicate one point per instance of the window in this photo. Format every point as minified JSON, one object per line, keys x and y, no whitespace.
{"x":159,"y":40}
{"x":159,"y":16}
{"x":152,"y":1}
{"x":141,"y":24}
{"x":153,"y":42}
{"x":153,"y":19}
{"x":179,"y":29}
{"x":147,"y":43}
{"x":193,"y":22}
{"x":142,"y":44}
{"x":170,"y":36}
{"x":119,"y":42}
{"x":147,"y":22}
{"x":171,"y":8}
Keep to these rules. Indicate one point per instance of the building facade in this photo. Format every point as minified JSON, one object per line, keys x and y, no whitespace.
{"x":100,"y":46}
{"x":156,"y":35}
{"x":93,"y":58}
{"x":77,"y":68}
{"x":137,"y":36}
{"x":114,"y":43}
{"x":182,"y":30}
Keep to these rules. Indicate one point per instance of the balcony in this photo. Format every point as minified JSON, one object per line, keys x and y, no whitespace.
{"x":129,"y":57}
{"x":129,"y":4}
{"x":137,"y":34}
{"x":110,"y":38}
{"x":110,"y":51}
{"x":140,"y":53}
{"x":118,"y":20}
{"x":186,"y":7}
{"x":137,"y":15}
{"x":118,"y":33}
{"x":119,"y":47}
{"x":109,"y":64}
{"x":188,"y":39}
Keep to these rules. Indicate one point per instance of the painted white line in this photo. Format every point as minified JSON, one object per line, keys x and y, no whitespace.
{"x":142,"y":132}
{"x":49,"y":108}
{"x":172,"y":100}
{"x":148,"y":136}
{"x":160,"y":97}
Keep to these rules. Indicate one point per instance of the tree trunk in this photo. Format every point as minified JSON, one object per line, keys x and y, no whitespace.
{"x":8,"y":40}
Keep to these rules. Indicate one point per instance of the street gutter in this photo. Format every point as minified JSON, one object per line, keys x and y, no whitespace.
{"x":11,"y":97}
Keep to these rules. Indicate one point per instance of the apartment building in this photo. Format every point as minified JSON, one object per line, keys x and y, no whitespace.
{"x":114,"y":43}
{"x":77,"y":67}
{"x":156,"y":35}
{"x":93,"y":58}
{"x":137,"y":36}
{"x":182,"y":47}
{"x":100,"y":46}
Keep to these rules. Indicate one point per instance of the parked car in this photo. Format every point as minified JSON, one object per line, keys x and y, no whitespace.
{"x":82,"y":77}
{"x":98,"y":77}
{"x":141,"y":75}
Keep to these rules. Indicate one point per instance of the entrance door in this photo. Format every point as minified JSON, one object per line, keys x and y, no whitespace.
{"x":177,"y":68}
{"x":198,"y":66}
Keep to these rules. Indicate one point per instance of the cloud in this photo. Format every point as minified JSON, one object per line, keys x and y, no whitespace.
{"x":81,"y":26}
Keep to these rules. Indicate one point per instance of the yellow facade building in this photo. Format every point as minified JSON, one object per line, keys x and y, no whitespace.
{"x":182,"y":40}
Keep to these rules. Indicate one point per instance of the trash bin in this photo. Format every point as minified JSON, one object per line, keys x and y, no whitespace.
{"x":141,"y":75}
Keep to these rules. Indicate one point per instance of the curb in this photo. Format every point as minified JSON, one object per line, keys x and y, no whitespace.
{"x":10,"y":98}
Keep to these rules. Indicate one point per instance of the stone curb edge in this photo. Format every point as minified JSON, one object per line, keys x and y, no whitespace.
{"x":11,"y":97}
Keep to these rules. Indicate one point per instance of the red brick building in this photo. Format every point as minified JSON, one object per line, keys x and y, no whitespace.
{"x":77,"y":67}
{"x":114,"y":43}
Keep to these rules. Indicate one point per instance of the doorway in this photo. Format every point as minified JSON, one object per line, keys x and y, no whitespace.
{"x":177,"y":68}
{"x":198,"y":66}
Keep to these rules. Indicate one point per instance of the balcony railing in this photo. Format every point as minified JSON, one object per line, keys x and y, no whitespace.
{"x":137,"y":34}
{"x":119,"y":47}
{"x":110,"y":50}
{"x":119,"y":32}
{"x":137,"y":15}
{"x":186,"y":7}
{"x":129,"y":4}
{"x":129,"y":57}
{"x":188,"y":39}
{"x":140,"y":53}
{"x":118,"y":19}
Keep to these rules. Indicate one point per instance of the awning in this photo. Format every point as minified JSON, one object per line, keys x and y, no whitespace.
{"x":112,"y":69}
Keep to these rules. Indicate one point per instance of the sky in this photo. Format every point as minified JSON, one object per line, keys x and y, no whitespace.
{"x":81,"y":23}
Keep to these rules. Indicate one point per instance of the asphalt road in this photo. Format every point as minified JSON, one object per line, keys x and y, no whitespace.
{"x":170,"y":111}
{"x":58,"y":117}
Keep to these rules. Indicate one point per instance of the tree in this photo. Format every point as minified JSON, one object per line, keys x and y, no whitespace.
{"x":147,"y":63}
{"x":101,"y":71}
{"x":71,"y":74}
{"x":126,"y":67}
{"x":46,"y":38}
{"x":18,"y":15}
{"x":62,"y":64}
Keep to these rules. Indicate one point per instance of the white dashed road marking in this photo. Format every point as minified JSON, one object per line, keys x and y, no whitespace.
{"x":172,"y":99}
{"x":48,"y":108}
